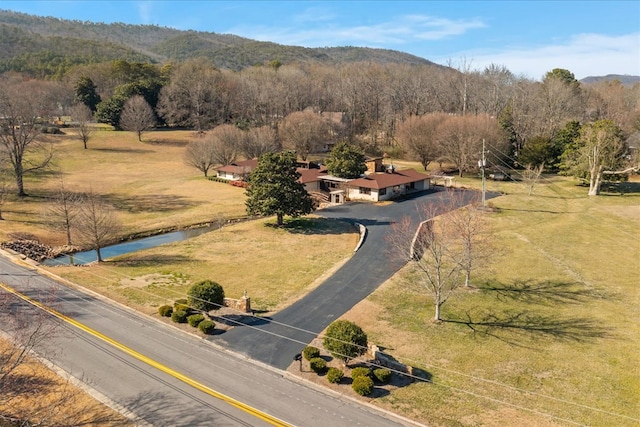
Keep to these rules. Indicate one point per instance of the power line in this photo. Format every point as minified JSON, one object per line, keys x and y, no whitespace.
{"x":479,"y":395}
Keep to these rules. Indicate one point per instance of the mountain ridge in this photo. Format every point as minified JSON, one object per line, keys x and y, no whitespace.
{"x":24,"y":37}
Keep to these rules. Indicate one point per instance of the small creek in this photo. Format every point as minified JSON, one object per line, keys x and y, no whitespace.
{"x":80,"y":258}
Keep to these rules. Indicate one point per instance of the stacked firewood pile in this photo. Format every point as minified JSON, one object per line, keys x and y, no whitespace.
{"x":30,"y":248}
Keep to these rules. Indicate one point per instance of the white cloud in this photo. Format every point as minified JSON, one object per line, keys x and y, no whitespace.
{"x":583,"y":54}
{"x":396,"y":32}
{"x":314,"y":14}
{"x":145,"y":9}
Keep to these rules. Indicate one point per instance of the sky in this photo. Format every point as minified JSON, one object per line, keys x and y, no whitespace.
{"x":530,"y":38}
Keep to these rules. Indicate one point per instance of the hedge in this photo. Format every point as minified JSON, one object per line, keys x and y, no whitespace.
{"x":179,"y":316}
{"x":310,"y":352}
{"x":362,"y":385}
{"x":318,"y":365}
{"x":382,"y":375}
{"x":165,"y":310}
{"x":360,"y":371}
{"x":335,"y":375}
{"x":195,"y":319}
{"x":207,"y":326}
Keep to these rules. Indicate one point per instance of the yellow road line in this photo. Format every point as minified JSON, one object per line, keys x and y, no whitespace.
{"x":231,"y":401}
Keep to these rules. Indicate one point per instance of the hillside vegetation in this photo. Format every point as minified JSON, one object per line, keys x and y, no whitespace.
{"x":45,"y":46}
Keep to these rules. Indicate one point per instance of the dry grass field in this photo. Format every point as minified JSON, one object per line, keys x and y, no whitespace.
{"x":55,"y":400}
{"x":548,"y":335}
{"x":148,"y":183}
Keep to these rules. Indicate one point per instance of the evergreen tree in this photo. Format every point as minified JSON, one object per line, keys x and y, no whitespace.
{"x":346,"y":161}
{"x":274,"y":188}
{"x":86,"y":93}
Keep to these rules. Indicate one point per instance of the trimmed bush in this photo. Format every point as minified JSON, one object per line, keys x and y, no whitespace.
{"x":334,"y":375}
{"x":206,"y":296}
{"x":165,"y":310}
{"x":195,"y":319}
{"x":181,"y":305}
{"x":345,"y":340}
{"x":382,"y":375}
{"x":362,"y":385}
{"x":179,"y":316}
{"x":207,"y":326}
{"x":310,"y":352}
{"x":360,"y":371}
{"x":318,"y":365}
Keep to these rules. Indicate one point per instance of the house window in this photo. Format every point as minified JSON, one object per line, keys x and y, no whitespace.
{"x":382,"y":191}
{"x":411,"y":186}
{"x":365,"y":190}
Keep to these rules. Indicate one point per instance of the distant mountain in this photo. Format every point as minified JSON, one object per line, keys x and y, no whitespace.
{"x":625,"y":79}
{"x":47,"y":45}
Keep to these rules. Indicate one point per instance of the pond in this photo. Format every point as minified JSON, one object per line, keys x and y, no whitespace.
{"x":81,"y":258}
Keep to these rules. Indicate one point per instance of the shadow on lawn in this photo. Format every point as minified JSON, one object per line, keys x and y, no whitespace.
{"x":149,"y":203}
{"x":311,"y":226}
{"x":619,"y":188}
{"x":149,"y":260}
{"x":515,"y":325}
{"x":542,"y":292}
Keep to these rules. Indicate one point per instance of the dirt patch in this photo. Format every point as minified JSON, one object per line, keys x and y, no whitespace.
{"x":156,"y":279}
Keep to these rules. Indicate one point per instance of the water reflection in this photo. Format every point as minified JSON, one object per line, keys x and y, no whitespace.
{"x":80,"y":258}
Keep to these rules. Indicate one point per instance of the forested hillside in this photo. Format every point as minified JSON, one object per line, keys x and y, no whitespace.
{"x":46,"y":46}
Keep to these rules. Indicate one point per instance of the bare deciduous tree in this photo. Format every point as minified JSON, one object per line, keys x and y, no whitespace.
{"x":531,"y":176}
{"x":63,"y":210}
{"x":23,"y":330}
{"x":82,"y":115}
{"x":219,"y":146}
{"x":30,"y":395}
{"x":226,"y":141}
{"x":460,"y":139}
{"x":192,"y":98}
{"x":137,"y":116}
{"x":444,"y":249}
{"x":303,"y":132}
{"x":97,"y":224}
{"x":4,"y":191}
{"x":469,"y":229}
{"x":21,"y":109}
{"x":418,"y":137}
{"x":257,"y":141}
{"x":201,"y":155}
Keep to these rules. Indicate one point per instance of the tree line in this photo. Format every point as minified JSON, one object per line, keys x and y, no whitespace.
{"x":420,"y":112}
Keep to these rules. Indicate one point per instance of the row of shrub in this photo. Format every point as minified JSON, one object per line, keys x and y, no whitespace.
{"x":235,"y":183}
{"x":242,"y":184}
{"x":181,"y":312}
{"x":217,"y":179}
{"x":362,"y":377}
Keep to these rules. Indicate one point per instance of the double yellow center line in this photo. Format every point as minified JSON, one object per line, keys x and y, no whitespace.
{"x":231,"y":401}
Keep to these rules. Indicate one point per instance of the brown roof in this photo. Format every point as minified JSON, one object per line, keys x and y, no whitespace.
{"x":311,"y":175}
{"x":241,"y":167}
{"x":385,"y":180}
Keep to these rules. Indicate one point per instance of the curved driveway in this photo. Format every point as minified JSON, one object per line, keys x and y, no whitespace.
{"x":276,"y":341}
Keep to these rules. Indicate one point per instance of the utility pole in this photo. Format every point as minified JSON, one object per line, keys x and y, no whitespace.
{"x":482,"y":164}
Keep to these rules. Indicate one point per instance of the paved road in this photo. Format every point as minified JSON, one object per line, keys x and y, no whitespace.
{"x":275,"y":342}
{"x":153,"y":395}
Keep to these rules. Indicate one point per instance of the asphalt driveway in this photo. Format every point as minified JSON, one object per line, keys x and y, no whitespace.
{"x":275,"y":341}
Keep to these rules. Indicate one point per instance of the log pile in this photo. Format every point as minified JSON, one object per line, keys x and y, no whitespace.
{"x":30,"y":248}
